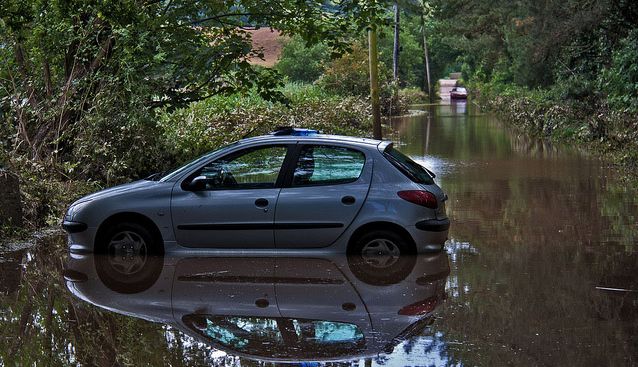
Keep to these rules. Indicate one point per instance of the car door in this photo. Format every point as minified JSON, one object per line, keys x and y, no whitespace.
{"x":232,"y":205}
{"x":316,"y":289}
{"x":328,"y":186}
{"x":235,"y":286}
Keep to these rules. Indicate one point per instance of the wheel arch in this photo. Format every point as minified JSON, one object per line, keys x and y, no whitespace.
{"x":381,"y":225}
{"x":130,"y":217}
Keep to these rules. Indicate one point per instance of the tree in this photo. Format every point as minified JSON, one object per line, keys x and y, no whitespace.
{"x":62,"y":59}
{"x":69,"y":66}
{"x":300,"y":62}
{"x":531,"y":43}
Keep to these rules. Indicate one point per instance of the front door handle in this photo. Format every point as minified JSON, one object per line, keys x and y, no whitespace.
{"x":261,"y":203}
{"x":348,"y":200}
{"x":262,"y":303}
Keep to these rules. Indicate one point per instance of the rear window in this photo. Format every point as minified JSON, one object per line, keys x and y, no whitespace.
{"x":408,"y":167}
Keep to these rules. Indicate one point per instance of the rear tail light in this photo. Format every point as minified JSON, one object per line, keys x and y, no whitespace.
{"x":419,"y":197}
{"x":420,"y":308}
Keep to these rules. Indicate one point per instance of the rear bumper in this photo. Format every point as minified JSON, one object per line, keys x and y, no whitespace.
{"x":430,"y":235}
{"x":434,"y":225}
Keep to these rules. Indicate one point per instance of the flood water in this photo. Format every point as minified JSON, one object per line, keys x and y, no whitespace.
{"x":540,"y":270}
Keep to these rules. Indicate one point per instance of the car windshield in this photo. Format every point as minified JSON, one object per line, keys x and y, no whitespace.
{"x":408,"y":167}
{"x":461,"y":89}
{"x":168,"y":175}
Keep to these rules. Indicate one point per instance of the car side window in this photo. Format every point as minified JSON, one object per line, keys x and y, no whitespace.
{"x":251,"y":168}
{"x":327,"y":165}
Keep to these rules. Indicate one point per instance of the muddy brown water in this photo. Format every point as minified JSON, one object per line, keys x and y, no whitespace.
{"x":542,"y":272}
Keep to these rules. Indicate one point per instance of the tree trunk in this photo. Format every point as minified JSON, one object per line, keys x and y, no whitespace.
{"x":374,"y":83}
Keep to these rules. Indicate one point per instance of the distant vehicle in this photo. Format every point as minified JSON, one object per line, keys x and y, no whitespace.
{"x":293,"y":190}
{"x":279,"y":309}
{"x":458,"y":93}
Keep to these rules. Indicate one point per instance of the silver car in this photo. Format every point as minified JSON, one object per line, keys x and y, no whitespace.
{"x":293,"y":190}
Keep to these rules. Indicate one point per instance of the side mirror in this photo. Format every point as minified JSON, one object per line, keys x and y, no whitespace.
{"x":197,"y":184}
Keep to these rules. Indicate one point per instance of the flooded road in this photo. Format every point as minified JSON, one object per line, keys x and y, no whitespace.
{"x":540,"y":270}
{"x":544,"y":246}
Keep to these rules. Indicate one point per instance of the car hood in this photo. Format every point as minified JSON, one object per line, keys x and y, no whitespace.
{"x":117,"y":190}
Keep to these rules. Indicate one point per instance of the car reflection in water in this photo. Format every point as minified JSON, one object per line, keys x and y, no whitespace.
{"x":272,"y":308}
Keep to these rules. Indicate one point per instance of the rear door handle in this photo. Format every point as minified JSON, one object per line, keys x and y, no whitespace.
{"x":261,"y":203}
{"x":348,"y":200}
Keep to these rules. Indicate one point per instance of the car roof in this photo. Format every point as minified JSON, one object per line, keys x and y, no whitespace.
{"x":323,"y":138}
{"x":362,"y":143}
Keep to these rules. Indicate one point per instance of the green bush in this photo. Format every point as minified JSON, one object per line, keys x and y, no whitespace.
{"x":620,"y":80}
{"x":300,"y":92}
{"x":411,"y":65}
{"x":44,"y":195}
{"x":349,"y":76}
{"x":116,"y":143}
{"x":204,"y":126}
{"x":413,"y":95}
{"x":302,"y":63}
{"x":141,"y":145}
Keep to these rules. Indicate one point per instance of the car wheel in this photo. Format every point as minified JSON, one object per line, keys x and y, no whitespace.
{"x":381,"y":258}
{"x":127,"y":261}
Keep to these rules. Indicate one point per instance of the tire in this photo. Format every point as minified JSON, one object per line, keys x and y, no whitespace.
{"x":128,"y":260}
{"x":381,"y":257}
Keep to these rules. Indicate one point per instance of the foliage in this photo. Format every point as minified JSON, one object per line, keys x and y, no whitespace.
{"x":300,"y":92}
{"x":65,"y":60}
{"x":411,"y":65}
{"x":413,"y":95}
{"x":349,"y":76}
{"x":301,"y":62}
{"x":44,"y":198}
{"x":620,"y":80}
{"x":589,"y":121}
{"x":560,"y":69}
{"x":101,"y":70}
{"x":83,"y":84}
{"x":580,"y":48}
{"x":209,"y":124}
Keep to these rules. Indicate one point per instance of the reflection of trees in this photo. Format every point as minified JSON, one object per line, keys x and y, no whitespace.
{"x":41,"y":323}
{"x":547,"y":232}
{"x":459,"y":136}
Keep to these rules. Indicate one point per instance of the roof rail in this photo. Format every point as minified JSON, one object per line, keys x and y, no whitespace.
{"x":293,"y":131}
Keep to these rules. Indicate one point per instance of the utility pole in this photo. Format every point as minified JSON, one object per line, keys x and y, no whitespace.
{"x":395,"y":58}
{"x":397,"y":45}
{"x":426,"y":58}
{"x":374,"y":82}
